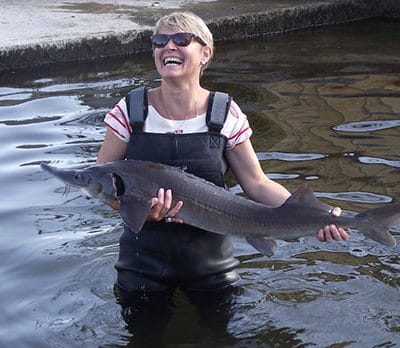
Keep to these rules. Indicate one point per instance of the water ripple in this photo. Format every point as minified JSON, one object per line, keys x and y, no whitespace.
{"x":376,"y":160}
{"x":367,"y":126}
{"x":361,"y":197}
{"x":113,"y":84}
{"x":289,"y":157}
{"x":39,"y":109}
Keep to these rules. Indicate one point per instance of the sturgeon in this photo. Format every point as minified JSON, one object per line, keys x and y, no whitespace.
{"x":212,"y":208}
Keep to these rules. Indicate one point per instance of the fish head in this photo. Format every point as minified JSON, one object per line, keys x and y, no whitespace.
{"x":94,"y":182}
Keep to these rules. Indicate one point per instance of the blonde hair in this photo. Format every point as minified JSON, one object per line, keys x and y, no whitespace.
{"x":187,"y":22}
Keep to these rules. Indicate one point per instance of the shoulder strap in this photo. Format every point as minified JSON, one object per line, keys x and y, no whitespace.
{"x":136,"y":103}
{"x":217,"y":111}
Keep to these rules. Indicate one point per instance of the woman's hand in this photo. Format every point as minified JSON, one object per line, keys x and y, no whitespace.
{"x":161,"y":207}
{"x":332,"y":232}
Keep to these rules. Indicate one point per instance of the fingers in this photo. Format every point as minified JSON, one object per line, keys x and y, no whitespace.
{"x":161,"y":207}
{"x":331,"y":232}
{"x":175,"y":210}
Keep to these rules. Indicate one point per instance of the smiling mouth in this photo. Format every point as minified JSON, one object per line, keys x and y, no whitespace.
{"x":172,"y":61}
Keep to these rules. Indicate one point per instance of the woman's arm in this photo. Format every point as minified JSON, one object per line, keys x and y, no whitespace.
{"x":247,"y":169}
{"x":112,"y":149}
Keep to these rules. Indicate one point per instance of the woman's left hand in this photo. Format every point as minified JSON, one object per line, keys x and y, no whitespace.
{"x":162,"y":209}
{"x":333,"y":232}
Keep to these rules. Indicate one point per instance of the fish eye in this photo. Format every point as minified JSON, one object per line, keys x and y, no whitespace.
{"x":79,"y":178}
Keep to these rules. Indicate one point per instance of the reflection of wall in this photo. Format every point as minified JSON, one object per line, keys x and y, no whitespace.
{"x":309,"y":109}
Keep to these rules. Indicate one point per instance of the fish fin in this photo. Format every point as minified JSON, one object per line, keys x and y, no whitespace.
{"x":134,"y":213}
{"x":376,"y":223}
{"x":305,"y":196}
{"x":266,"y":247}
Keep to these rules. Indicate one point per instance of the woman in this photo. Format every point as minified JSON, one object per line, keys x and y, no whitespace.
{"x":165,"y":256}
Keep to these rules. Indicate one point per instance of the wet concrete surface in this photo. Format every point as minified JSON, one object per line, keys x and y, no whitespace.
{"x":45,"y":32}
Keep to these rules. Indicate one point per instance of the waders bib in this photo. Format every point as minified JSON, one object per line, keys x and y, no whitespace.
{"x":169,"y":255}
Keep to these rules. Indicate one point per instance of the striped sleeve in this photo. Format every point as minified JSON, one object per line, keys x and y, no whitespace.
{"x":236,"y":127}
{"x":117,"y":120}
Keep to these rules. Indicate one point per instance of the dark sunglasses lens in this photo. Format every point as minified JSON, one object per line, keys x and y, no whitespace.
{"x":159,"y":40}
{"x":179,"y":39}
{"x":182,"y":39}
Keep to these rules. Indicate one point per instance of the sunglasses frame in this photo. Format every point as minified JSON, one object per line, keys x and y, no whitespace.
{"x":175,"y":40}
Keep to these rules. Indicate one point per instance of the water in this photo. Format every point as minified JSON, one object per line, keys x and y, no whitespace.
{"x":325,"y":106}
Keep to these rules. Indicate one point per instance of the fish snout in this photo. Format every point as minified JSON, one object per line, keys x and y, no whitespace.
{"x":67,"y":176}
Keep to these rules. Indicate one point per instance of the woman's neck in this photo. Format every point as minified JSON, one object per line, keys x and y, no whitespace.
{"x":180,"y":102}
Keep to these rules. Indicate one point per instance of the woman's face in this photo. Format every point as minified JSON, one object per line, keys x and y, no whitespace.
{"x":174,"y":61}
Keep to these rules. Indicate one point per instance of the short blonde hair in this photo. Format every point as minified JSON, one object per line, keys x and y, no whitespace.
{"x":187,"y":22}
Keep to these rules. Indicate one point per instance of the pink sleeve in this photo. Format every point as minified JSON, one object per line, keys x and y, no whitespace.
{"x":236,"y":128}
{"x":117,"y":120}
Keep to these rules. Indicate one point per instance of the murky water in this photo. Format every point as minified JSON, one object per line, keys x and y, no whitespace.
{"x":325,"y":107}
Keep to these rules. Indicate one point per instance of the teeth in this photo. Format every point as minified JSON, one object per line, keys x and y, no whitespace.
{"x":172,"y":60}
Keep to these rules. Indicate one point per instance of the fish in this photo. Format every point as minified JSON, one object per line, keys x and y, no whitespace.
{"x":212,"y":208}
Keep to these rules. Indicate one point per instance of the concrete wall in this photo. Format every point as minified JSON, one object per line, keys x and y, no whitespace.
{"x":281,"y":19}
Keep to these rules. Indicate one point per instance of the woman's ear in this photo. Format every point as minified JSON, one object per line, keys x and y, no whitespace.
{"x":207,"y":54}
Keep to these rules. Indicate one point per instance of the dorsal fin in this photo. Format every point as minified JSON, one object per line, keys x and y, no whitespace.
{"x":305,"y":196}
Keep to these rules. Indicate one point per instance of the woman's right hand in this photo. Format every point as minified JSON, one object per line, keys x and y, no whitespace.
{"x":161,"y":207}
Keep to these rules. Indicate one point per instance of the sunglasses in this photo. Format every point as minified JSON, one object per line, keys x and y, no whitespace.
{"x":179,"y":39}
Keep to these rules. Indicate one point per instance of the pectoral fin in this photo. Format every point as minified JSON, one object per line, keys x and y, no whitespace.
{"x":134,"y":211}
{"x":265,"y":246}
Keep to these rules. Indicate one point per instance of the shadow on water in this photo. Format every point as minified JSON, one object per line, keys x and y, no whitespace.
{"x":325,"y":108}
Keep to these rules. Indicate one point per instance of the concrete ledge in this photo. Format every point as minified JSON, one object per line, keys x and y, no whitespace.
{"x":291,"y":19}
{"x":76,"y":50}
{"x":279,"y":20}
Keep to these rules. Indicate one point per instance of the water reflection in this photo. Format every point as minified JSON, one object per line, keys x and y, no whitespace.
{"x":363,"y":197}
{"x":325,"y":109}
{"x":367,"y":126}
{"x":375,"y":160}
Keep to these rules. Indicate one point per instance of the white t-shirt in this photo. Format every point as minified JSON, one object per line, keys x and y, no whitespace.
{"x":236,"y":127}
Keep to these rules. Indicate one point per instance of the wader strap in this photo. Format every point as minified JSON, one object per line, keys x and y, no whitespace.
{"x":218,"y":108}
{"x":136,"y":102}
{"x":217,"y":111}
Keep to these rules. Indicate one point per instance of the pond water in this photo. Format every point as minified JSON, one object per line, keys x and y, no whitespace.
{"x":325,"y":107}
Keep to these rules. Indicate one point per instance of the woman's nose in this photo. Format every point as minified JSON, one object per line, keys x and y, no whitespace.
{"x":170,"y":44}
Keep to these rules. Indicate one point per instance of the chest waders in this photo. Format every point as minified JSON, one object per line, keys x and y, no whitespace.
{"x":168,"y":255}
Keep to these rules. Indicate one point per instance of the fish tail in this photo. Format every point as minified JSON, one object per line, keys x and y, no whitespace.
{"x":376,"y":223}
